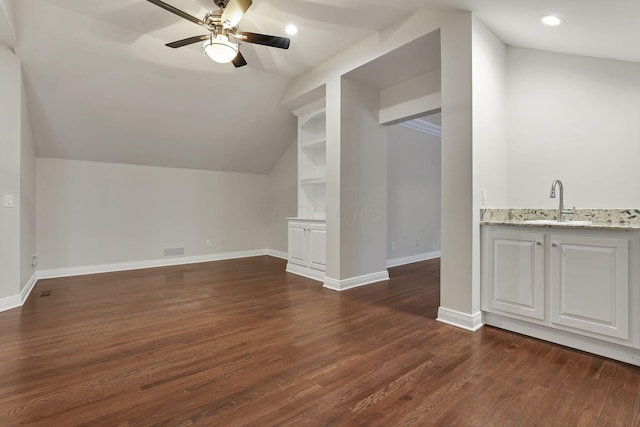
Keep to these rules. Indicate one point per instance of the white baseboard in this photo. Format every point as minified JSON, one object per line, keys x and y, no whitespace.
{"x":137,"y":265}
{"x":565,"y":338}
{"x":277,"y":254}
{"x":26,"y":291}
{"x":10,"y":302}
{"x":470,"y":322}
{"x":354,"y":282}
{"x":413,"y":258}
{"x":309,"y":273}
{"x":15,"y":301}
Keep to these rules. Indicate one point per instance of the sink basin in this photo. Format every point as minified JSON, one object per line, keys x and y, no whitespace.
{"x":554,"y":222}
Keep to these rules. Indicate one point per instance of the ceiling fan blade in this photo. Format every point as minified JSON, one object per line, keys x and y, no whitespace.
{"x":178,"y":12}
{"x":263,"y":39}
{"x":234,"y":11}
{"x":239,"y":61}
{"x":185,"y":42}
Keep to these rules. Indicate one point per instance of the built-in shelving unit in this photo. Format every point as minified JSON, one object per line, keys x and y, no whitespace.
{"x":312,"y":160}
{"x":307,"y":231}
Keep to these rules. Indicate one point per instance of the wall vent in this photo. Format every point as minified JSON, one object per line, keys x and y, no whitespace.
{"x":169,"y":252}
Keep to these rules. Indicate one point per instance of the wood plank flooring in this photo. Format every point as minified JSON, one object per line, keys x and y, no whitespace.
{"x":241,"y":342}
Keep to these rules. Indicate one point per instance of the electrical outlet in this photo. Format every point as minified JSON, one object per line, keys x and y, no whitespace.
{"x":393,"y":246}
{"x":208,"y":243}
{"x":417,"y":242}
{"x":34,"y":260}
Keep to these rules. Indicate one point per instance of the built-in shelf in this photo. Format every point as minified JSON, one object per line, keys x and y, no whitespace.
{"x":318,"y":144}
{"x":307,"y":241}
{"x":312,"y":159}
{"x":305,"y":181}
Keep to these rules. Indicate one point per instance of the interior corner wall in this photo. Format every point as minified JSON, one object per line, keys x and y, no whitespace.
{"x":456,"y":268}
{"x":10,"y":123}
{"x":282,"y":198}
{"x":363,"y":184}
{"x":334,"y":176}
{"x":489,"y":131}
{"x":574,"y":118}
{"x":92,"y":214}
{"x":27,"y":196}
{"x":413,"y":193}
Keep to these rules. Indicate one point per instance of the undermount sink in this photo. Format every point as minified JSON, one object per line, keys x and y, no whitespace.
{"x":555,"y":222}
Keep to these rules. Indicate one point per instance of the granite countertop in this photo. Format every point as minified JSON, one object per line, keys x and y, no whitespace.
{"x":601,"y":219}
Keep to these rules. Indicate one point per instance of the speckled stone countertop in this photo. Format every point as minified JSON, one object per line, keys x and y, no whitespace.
{"x":603,"y":219}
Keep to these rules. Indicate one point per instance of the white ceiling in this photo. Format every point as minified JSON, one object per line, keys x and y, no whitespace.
{"x":102,"y":86}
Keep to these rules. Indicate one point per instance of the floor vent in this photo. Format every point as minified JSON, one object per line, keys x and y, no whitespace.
{"x":169,"y":252}
{"x":45,"y":293}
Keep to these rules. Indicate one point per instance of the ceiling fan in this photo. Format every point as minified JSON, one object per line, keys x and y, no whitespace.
{"x":222,"y":24}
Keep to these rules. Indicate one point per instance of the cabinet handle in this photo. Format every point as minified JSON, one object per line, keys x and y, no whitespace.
{"x":554,"y":245}
{"x":539,"y":243}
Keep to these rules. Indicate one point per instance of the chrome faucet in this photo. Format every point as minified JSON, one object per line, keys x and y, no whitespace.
{"x":561,"y":210}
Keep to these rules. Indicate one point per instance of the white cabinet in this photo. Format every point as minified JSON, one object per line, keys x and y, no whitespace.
{"x":515,"y":273}
{"x":575,"y":287}
{"x":307,"y":248}
{"x":590,"y":284}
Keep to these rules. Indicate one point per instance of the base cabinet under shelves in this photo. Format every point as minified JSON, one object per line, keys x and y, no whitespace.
{"x":572,"y":281}
{"x":307,"y":248}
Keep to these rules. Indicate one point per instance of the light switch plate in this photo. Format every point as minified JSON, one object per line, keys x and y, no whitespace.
{"x":8,"y":200}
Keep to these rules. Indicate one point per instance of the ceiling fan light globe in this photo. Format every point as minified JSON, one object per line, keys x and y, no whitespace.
{"x":220,"y":49}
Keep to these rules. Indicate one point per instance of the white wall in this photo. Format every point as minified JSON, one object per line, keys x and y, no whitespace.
{"x":27,"y":196}
{"x":413,"y":192}
{"x":103,"y":213}
{"x":10,"y":126}
{"x":489,"y":132}
{"x":574,"y":118}
{"x":282,"y":198}
{"x":363,"y":187}
{"x":457,"y":288}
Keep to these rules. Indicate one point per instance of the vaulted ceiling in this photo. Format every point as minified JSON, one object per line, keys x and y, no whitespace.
{"x":102,"y":86}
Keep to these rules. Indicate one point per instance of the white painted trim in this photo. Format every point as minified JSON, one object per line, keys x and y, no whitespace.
{"x":309,"y":273}
{"x":8,"y":303}
{"x":16,"y":301}
{"x":413,"y":258}
{"x":26,"y":291}
{"x":354,"y":282}
{"x":565,"y":338}
{"x":136,"y":265}
{"x":277,"y":254}
{"x":421,"y":125}
{"x":470,"y":322}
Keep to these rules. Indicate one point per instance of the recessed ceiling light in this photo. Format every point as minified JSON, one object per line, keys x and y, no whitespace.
{"x":551,"y":20}
{"x":291,"y":30}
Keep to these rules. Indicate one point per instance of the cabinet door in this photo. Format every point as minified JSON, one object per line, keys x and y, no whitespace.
{"x":297,"y":243}
{"x":515,"y":280}
{"x":590,"y":284}
{"x":317,"y":246}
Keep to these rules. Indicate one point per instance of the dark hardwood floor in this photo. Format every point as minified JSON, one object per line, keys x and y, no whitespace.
{"x":243,"y":343}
